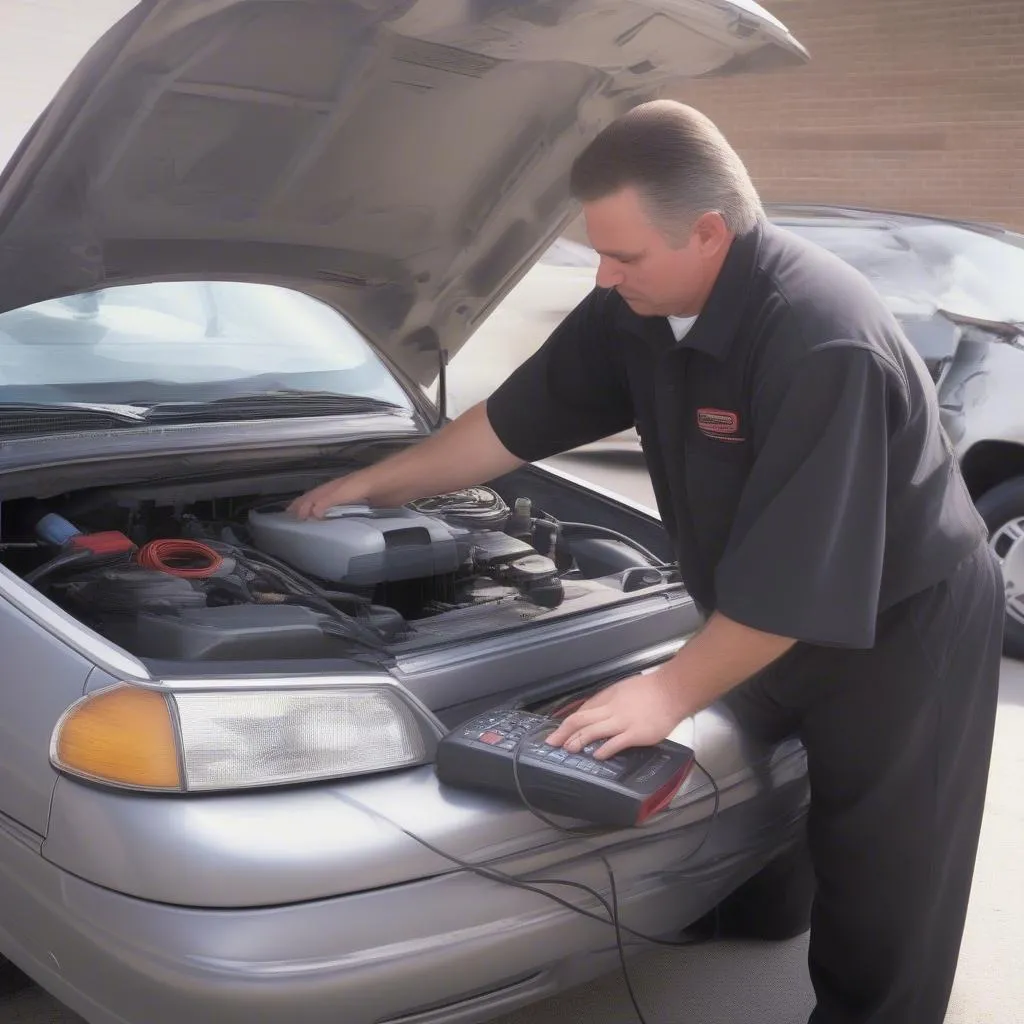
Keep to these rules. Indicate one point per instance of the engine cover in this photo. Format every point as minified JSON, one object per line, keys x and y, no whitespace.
{"x":360,"y":546}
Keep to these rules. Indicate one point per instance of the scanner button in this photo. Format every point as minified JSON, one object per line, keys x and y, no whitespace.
{"x":491,"y":737}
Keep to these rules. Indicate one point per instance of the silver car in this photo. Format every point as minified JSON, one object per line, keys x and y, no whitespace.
{"x":236,"y":252}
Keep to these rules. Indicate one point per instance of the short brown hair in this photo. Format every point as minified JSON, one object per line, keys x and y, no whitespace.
{"x":677,"y":160}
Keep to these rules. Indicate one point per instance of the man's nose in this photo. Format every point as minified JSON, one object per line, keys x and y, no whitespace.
{"x":608,"y":275}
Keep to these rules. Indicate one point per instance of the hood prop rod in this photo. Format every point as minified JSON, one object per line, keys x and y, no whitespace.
{"x":442,"y":387}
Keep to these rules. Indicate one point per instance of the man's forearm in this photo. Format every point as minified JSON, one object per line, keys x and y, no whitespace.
{"x":466,"y":452}
{"x":643,"y":710}
{"x":721,"y":656}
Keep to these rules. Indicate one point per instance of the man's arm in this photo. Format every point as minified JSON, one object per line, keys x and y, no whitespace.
{"x":569,"y":392}
{"x":466,"y":452}
{"x":722,"y":655}
{"x":643,"y":710}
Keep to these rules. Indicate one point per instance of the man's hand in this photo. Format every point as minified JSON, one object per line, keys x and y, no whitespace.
{"x":636,"y":712}
{"x":465,"y":452}
{"x":642,"y":710}
{"x":346,"y":490}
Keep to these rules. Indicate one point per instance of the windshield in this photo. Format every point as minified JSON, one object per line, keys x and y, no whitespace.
{"x":185,"y":341}
{"x":920,"y":268}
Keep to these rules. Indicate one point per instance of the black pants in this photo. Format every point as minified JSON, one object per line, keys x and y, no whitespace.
{"x":898,"y":742}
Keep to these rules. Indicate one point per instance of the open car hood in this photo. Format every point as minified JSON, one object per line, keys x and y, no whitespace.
{"x":403,"y":160}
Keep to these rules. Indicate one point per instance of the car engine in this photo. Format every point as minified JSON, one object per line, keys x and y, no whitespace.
{"x":244,"y":579}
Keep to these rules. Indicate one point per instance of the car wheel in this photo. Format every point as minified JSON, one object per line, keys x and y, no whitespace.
{"x":773,"y":906}
{"x":1002,"y":508}
{"x":11,"y":979}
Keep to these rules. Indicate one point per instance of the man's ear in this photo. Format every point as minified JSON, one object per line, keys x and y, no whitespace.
{"x":712,"y":234}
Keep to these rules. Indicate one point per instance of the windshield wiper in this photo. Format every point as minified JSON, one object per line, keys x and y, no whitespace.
{"x":75,"y":413}
{"x":1010,"y":330}
{"x":269,"y":404}
{"x":61,"y":417}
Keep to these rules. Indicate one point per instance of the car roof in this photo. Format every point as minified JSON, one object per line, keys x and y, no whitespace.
{"x":782,"y":213}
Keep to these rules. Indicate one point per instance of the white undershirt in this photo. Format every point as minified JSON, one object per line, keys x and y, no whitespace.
{"x":681,"y":325}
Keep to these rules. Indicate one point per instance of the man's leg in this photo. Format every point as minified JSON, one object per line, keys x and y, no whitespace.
{"x":898,"y":741}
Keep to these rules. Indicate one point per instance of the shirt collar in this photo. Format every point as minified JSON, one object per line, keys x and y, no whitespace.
{"x":719,"y":321}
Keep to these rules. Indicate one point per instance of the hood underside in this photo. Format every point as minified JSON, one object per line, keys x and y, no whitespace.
{"x":404,"y":160}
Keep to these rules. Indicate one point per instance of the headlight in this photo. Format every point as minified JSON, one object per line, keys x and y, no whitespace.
{"x":237,"y":739}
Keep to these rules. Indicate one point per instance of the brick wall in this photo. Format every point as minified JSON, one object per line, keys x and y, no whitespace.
{"x":906,"y":104}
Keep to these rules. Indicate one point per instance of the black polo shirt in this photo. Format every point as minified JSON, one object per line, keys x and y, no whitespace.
{"x":792,"y":438}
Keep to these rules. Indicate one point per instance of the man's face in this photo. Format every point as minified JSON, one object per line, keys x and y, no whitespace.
{"x":655,"y":276}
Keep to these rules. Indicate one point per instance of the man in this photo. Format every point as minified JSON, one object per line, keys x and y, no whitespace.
{"x":820,"y":521}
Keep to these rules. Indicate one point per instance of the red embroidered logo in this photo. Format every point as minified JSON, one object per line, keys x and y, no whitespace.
{"x":719,"y":424}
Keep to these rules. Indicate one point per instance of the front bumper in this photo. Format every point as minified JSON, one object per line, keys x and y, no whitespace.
{"x":452,"y":948}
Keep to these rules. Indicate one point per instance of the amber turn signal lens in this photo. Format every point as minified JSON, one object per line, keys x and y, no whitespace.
{"x":123,"y":735}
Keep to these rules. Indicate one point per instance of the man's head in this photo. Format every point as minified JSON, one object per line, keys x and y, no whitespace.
{"x":663,"y":195}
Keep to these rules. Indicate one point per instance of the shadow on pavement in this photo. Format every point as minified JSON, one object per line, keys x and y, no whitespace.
{"x":1011,"y":683}
{"x":719,"y":983}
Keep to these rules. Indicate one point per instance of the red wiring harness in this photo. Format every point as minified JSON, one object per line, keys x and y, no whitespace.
{"x":189,"y":559}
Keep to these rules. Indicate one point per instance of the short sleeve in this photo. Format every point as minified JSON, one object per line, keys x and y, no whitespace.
{"x":570,"y":392}
{"x":805,"y":554}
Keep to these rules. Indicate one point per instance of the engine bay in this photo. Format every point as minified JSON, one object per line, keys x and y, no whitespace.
{"x":181,"y":577}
